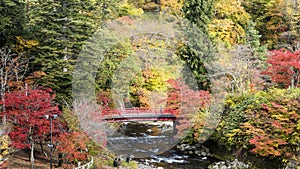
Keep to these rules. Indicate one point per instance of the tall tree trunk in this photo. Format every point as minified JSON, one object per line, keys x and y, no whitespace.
{"x":32,"y":154}
{"x":31,"y":147}
{"x":2,"y":93}
{"x":294,"y":77}
{"x":297,"y":77}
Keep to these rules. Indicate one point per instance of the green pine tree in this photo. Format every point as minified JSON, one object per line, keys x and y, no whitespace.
{"x":253,"y":42}
{"x":12,"y":20}
{"x":199,"y":12}
{"x":62,"y":27}
{"x":198,"y":48}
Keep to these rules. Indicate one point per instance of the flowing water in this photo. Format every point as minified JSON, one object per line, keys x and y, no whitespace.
{"x":154,"y":144}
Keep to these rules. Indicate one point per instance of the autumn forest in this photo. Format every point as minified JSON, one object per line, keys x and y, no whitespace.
{"x":233,"y":65}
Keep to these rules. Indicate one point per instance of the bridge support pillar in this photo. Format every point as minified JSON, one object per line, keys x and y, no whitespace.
{"x":175,"y":123}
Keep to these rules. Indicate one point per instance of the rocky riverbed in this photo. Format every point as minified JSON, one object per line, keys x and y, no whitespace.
{"x":182,"y":156}
{"x":229,"y":165}
{"x":198,"y":152}
{"x":195,"y":149}
{"x":153,"y":147}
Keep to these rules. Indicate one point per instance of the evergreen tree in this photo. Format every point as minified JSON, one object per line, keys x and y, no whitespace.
{"x":12,"y":20}
{"x":62,"y":27}
{"x":199,"y":12}
{"x":198,"y":48}
{"x":252,"y":41}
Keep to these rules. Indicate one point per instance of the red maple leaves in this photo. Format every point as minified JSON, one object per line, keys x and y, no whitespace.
{"x":186,"y":104}
{"x":73,"y":145}
{"x":284,"y":68}
{"x":26,"y":111}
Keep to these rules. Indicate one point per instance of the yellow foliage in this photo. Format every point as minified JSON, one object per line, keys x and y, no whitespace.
{"x":232,"y":9}
{"x":4,"y":146}
{"x":225,"y":30}
{"x":229,"y":23}
{"x":230,"y":103}
{"x":25,"y":45}
{"x":172,"y":5}
{"x":135,"y":11}
{"x":131,"y":9}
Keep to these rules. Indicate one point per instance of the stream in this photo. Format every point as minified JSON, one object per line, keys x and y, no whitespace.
{"x":153,"y":144}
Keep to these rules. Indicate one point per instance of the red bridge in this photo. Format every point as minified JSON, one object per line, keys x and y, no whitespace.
{"x":138,"y":114}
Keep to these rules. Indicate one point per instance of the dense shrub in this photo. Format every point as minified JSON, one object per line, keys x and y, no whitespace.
{"x":266,"y":122}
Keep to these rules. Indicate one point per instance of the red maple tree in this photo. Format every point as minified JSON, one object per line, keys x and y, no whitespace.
{"x":284,"y":67}
{"x":185,"y":103}
{"x":26,"y":110}
{"x":73,"y":146}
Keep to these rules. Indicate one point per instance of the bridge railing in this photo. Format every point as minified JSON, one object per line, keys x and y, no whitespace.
{"x":137,"y":111}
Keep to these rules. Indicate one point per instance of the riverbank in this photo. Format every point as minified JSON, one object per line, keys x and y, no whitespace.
{"x":227,"y":156}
